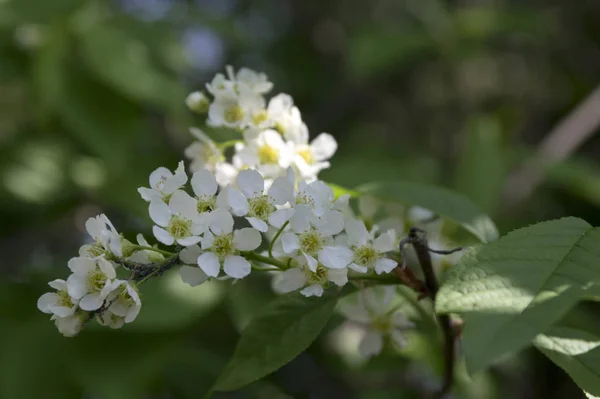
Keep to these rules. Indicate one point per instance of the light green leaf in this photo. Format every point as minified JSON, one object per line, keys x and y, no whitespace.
{"x":515,"y":288}
{"x":574,"y":345}
{"x":285,"y":328}
{"x":446,"y":203}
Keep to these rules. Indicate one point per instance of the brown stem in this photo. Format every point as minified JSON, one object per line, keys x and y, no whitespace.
{"x":418,"y":239}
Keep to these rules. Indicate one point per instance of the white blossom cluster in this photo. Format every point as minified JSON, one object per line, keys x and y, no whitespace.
{"x":273,"y":136}
{"x":93,"y":288}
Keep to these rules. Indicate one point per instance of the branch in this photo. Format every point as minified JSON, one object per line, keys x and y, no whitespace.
{"x":417,"y":238}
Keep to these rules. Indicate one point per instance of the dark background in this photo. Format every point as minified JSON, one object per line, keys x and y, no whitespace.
{"x":455,"y":93}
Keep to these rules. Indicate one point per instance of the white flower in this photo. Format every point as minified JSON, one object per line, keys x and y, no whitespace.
{"x":256,"y":203}
{"x":268,"y":153}
{"x":145,"y":256}
{"x":107,"y":240}
{"x":179,"y":221}
{"x":226,"y":173}
{"x":310,"y":159}
{"x":58,"y":303}
{"x":221,"y":86}
{"x":109,"y":319}
{"x":71,"y":325}
{"x":222,"y":246}
{"x":203,"y":153}
{"x":258,"y":82}
{"x":163,"y":183}
{"x":379,"y":321}
{"x":205,"y":187}
{"x":197,"y":102}
{"x":369,"y":253}
{"x":235,"y":109}
{"x":191,"y":275}
{"x":286,"y":118}
{"x":90,"y":282}
{"x":124,"y":301}
{"x":312,"y":282}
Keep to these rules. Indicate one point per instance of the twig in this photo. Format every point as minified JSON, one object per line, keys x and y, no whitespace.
{"x":418,"y":239}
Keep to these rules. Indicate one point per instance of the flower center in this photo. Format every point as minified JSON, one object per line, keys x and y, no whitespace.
{"x":206,"y":203}
{"x":365,"y":255}
{"x":95,"y":249}
{"x":318,"y":277}
{"x":234,"y":114}
{"x":280,"y":127}
{"x":268,"y":154}
{"x":64,"y":299}
{"x":223,"y":245}
{"x":304,"y":199}
{"x":311,"y":241}
{"x":125,"y":298}
{"x":179,"y":227}
{"x":259,"y":117}
{"x":382,"y":323}
{"x":96,"y":280}
{"x":306,"y":154}
{"x":261,"y":206}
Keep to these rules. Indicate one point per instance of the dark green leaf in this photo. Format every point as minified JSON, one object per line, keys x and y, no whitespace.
{"x":285,"y":328}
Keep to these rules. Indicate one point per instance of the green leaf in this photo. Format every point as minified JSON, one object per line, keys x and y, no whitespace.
{"x":287,"y":327}
{"x":481,"y":168}
{"x":574,"y":345}
{"x":517,"y":287}
{"x":446,"y":203}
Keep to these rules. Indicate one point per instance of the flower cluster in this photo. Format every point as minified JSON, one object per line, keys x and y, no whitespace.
{"x":272,"y":134}
{"x":93,"y":289}
{"x":263,"y":211}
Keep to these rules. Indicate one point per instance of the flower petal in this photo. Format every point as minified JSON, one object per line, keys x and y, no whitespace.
{"x":385,"y":265}
{"x":278,"y":218}
{"x":107,"y":268}
{"x":385,"y":242}
{"x":358,"y":268}
{"x":236,"y":266}
{"x":204,"y":183}
{"x":399,"y":338}
{"x":281,"y":191}
{"x":149,"y":195}
{"x":82,"y":265}
{"x":311,"y":262}
{"x":91,"y":301}
{"x":237,"y":201}
{"x":159,"y":176}
{"x":312,"y":290}
{"x":371,"y":344}
{"x":177,"y":180}
{"x":46,"y":301}
{"x":290,"y":280}
{"x":258,"y":224}
{"x":337,"y":257}
{"x":189,"y":255}
{"x":290,"y":242}
{"x":357,"y":232}
{"x":183,"y":204}
{"x":76,"y":285}
{"x":187,"y":241}
{"x":338,"y":276}
{"x":331,"y":223}
{"x":192,"y":275}
{"x":162,"y":235}
{"x":323,"y":146}
{"x":159,"y":213}
{"x":209,"y":263}
{"x":58,"y":284}
{"x":251,"y":182}
{"x":247,"y":239}
{"x":221,"y":222}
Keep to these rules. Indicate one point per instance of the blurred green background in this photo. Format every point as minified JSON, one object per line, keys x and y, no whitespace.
{"x":455,"y":93}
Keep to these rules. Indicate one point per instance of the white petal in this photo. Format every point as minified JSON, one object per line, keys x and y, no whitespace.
{"x":162,"y":235}
{"x":371,"y":344}
{"x":338,"y":276}
{"x":46,"y":301}
{"x":385,"y":242}
{"x":312,"y":290}
{"x":209,"y":263}
{"x":358,"y":268}
{"x":183,"y":204}
{"x":290,"y":242}
{"x":132,"y":314}
{"x":251,"y":182}
{"x":200,"y":223}
{"x":225,"y":173}
{"x":331,"y":223}
{"x":159,"y":176}
{"x":399,"y":320}
{"x":221,"y":222}
{"x":77,"y":287}
{"x":237,"y":201}
{"x":337,"y":257}
{"x":62,"y":311}
{"x":385,"y":265}
{"x":187,"y":241}
{"x":247,"y":239}
{"x":204,"y":183}
{"x":300,"y":221}
{"x":81,"y":265}
{"x":178,"y":180}
{"x":107,"y":268}
{"x":399,"y":338}
{"x":323,"y":147}
{"x":159,"y":213}
{"x":91,"y":301}
{"x":290,"y":280}
{"x":236,"y":266}
{"x":149,"y":195}
{"x":192,"y":275}
{"x":207,"y":240}
{"x":258,"y":224}
{"x":311,"y":262}
{"x":356,"y":231}
{"x":58,"y":284}
{"x":279,"y":217}
{"x":281,"y":191}
{"x":189,"y":255}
